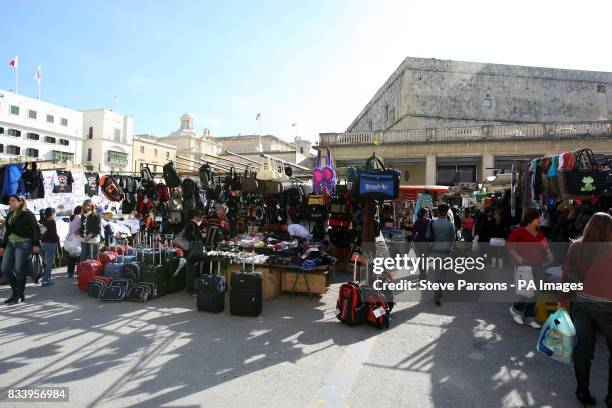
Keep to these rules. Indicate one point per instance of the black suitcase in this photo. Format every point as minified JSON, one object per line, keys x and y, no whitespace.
{"x":138,"y":293}
{"x":211,"y":293}
{"x":112,"y":294}
{"x":245,"y":294}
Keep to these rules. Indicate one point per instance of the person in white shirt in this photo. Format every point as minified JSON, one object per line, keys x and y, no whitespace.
{"x":297,"y":230}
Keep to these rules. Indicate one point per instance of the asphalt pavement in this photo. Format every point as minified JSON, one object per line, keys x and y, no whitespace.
{"x":295,"y":354}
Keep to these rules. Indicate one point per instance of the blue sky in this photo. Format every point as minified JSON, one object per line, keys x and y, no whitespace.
{"x":315,"y":62}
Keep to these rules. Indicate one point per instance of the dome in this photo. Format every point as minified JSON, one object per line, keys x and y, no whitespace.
{"x":186,"y":116}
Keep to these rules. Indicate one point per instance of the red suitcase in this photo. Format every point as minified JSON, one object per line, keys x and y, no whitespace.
{"x":86,"y":271}
{"x":120,"y":249}
{"x":107,"y":257}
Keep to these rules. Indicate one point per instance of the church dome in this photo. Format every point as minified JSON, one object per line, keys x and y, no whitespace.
{"x":186,"y":116}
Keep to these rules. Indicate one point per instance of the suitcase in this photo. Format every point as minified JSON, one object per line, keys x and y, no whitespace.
{"x":114,"y":270}
{"x":349,"y":307}
{"x":106,"y":257}
{"x":124,"y":259}
{"x":245,"y":293}
{"x":123,"y":283}
{"x":95,"y":288}
{"x":138,"y":293}
{"x":136,"y":269}
{"x":211,"y":293}
{"x":122,"y":249}
{"x":112,"y":294}
{"x":152,"y":289}
{"x":86,"y":271}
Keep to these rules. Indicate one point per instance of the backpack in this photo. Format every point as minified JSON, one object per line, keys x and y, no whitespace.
{"x":189,"y":188}
{"x":144,"y":205}
{"x":375,"y":310}
{"x":110,"y":189}
{"x":163,"y":192}
{"x":206,"y":177}
{"x":171,"y":176}
{"x":147,"y":177}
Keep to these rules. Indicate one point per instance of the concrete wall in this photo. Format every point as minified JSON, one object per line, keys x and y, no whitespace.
{"x":103,"y":123}
{"x":425,"y":93}
{"x":145,"y":149}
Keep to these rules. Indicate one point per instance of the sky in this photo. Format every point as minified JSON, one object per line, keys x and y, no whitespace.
{"x":315,"y":63}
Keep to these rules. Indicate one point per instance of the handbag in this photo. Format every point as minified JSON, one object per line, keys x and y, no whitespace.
{"x":248,"y":182}
{"x":233,"y":180}
{"x":375,"y":183}
{"x":523,"y":273}
{"x":180,"y":241}
{"x":584,"y":178}
{"x":36,"y":268}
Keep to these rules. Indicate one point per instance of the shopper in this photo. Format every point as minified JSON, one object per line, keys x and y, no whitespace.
{"x":21,"y":239}
{"x":74,"y":228}
{"x":220,"y":219}
{"x":467,"y":226}
{"x":528,"y":246}
{"x":90,"y":231}
{"x":421,"y":225}
{"x":192,"y":233}
{"x":441,"y":232}
{"x":588,"y":261}
{"x":50,"y":241}
{"x":490,"y":226}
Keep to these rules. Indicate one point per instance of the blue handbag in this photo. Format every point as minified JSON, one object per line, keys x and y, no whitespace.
{"x":375,"y":183}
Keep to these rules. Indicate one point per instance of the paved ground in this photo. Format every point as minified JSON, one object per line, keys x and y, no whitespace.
{"x":164,"y":353}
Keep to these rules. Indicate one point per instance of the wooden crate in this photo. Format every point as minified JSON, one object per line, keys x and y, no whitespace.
{"x":317,"y":281}
{"x":271,"y":280}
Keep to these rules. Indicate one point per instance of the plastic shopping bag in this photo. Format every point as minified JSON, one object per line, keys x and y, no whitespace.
{"x":523,"y":275}
{"x":557,"y":337}
{"x":475,"y":244}
{"x":72,"y":245}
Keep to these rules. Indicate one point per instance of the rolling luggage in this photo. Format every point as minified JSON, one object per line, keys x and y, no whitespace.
{"x":124,"y":259}
{"x":138,"y":293}
{"x":114,"y":270}
{"x":211,"y":293}
{"x":107,"y":257}
{"x":122,"y":249}
{"x":86,"y":271}
{"x":112,"y":294}
{"x":349,"y":306}
{"x":135,"y":269}
{"x":152,"y":289}
{"x":95,"y":288}
{"x":246,"y":294}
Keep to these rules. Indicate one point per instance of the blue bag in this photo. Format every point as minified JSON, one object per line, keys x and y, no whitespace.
{"x":375,"y":183}
{"x":114,"y":270}
{"x":125,"y":259}
{"x":557,"y":337}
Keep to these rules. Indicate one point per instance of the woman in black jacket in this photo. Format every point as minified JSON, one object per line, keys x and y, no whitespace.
{"x":90,"y":231}
{"x":50,"y":240}
{"x":192,"y":233}
{"x":22,"y":238}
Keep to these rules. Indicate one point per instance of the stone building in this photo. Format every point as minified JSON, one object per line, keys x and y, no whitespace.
{"x":432,"y":93}
{"x":443,"y":122}
{"x":252,"y":146}
{"x":190,"y":144}
{"x":107,"y":140}
{"x":151,"y":151}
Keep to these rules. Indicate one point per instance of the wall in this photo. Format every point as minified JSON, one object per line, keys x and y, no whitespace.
{"x":428,"y":93}
{"x":165,"y":152}
{"x":104,"y":122}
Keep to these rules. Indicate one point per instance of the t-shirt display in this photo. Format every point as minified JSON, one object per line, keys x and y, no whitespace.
{"x":62,"y":182}
{"x":92,"y":186}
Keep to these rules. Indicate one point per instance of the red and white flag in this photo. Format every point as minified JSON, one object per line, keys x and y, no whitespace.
{"x":258,"y":116}
{"x":14,"y":62}
{"x":37,"y":75}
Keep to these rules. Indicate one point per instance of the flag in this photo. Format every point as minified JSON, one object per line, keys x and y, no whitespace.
{"x":115,"y":98}
{"x":294,"y":124}
{"x":14,"y":62}
{"x":37,"y":75}
{"x":258,"y":116}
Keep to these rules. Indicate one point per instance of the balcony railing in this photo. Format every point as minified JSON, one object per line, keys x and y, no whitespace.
{"x":458,"y":134}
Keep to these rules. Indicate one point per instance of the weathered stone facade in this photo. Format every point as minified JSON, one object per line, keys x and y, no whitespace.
{"x":430,"y":93}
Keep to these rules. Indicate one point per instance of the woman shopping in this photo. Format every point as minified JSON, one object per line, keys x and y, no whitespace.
{"x":192,"y":234}
{"x":21,"y":239}
{"x":73,"y":241}
{"x":50,"y":240}
{"x":588,"y":261}
{"x":90,"y":231}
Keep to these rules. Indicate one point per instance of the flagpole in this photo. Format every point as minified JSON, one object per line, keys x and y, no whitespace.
{"x":17,"y":78}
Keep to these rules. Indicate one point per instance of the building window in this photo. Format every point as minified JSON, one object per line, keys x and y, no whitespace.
{"x":49,"y":139}
{"x":487,"y":103}
{"x":141,"y":149}
{"x":1,"y":148}
{"x":50,"y":119}
{"x":64,"y":142}
{"x":392,"y":115}
{"x":117,"y":158}
{"x":31,"y":152}
{"x":155,"y":152}
{"x":14,"y":110}
{"x":90,"y":133}
{"x":62,"y":157}
{"x":301,"y":150}
{"x":64,"y":122}
{"x":406,"y":175}
{"x":117,"y":135}
{"x":32,"y":114}
{"x":1,"y":130}
{"x":14,"y":150}
{"x":14,"y":132}
{"x":167,"y":155}
{"x":33,"y":136}
{"x":370,"y":126}
{"x":386,"y":113}
{"x":89,"y":154}
{"x":601,"y":89}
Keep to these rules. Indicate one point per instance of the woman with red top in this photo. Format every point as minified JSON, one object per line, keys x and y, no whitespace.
{"x":467,"y":226}
{"x":528,"y":246}
{"x":589,"y":261}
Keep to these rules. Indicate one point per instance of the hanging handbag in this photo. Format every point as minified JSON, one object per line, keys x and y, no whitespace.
{"x":234,"y":180}
{"x":248,"y":182}
{"x":180,"y":241}
{"x":110,"y":189}
{"x":584,"y":178}
{"x":375,"y":183}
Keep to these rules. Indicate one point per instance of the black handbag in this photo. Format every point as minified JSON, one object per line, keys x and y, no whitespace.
{"x":375,"y":183}
{"x":584,"y":178}
{"x":248,"y":182}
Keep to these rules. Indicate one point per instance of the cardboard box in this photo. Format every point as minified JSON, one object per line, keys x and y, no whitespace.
{"x":317,"y":281}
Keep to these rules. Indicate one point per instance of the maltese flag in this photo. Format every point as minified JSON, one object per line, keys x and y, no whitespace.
{"x":258,"y":116}
{"x":37,"y":75}
{"x":14,"y":62}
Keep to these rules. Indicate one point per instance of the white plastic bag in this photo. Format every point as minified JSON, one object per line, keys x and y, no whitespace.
{"x":475,"y":244}
{"x":72,"y":245}
{"x":523,"y":278}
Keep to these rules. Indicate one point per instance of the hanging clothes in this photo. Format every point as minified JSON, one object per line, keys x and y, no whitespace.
{"x":423,"y":200}
{"x":62,"y":182}
{"x":553,"y":170}
{"x":78,"y":187}
{"x":92,"y":186}
{"x":13,"y":182}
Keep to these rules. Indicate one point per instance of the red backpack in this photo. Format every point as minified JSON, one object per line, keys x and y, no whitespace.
{"x":349,"y":305}
{"x":163,"y":193}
